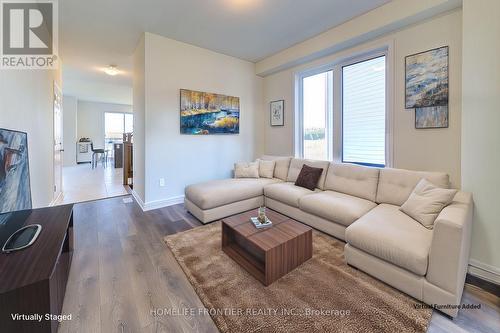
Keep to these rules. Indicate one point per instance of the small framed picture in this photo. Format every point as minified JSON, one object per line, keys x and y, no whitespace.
{"x":277,"y":111}
{"x":431,"y":117}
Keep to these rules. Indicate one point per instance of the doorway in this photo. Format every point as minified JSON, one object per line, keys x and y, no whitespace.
{"x":58,"y":142}
{"x":97,"y":130}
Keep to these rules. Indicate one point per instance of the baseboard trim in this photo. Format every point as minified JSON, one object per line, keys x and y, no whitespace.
{"x":484,"y":271}
{"x":137,"y":199}
{"x":146,"y":206}
{"x":163,"y":203}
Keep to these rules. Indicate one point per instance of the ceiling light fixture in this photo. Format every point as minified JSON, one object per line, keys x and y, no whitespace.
{"x":242,"y":4}
{"x":111,"y":70}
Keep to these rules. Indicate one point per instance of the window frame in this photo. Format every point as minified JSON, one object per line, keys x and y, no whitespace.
{"x":335,"y":122}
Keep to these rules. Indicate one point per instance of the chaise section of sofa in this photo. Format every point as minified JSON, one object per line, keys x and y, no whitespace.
{"x":213,"y":200}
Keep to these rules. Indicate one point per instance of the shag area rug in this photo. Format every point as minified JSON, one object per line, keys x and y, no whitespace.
{"x":324,"y":294}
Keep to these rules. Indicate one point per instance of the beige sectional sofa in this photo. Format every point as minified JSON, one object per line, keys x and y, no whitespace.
{"x":360,"y":205}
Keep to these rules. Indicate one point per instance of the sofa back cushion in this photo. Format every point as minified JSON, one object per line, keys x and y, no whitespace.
{"x":296,"y":165}
{"x":266,"y":168}
{"x":396,"y":185}
{"x":356,"y":180}
{"x":281,"y":167}
{"x":246,"y":170}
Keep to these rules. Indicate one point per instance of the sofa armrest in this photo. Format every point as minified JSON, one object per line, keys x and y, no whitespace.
{"x":450,"y":247}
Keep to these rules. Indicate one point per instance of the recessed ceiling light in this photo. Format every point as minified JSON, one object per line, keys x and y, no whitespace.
{"x":111,"y":70}
{"x":242,"y":4}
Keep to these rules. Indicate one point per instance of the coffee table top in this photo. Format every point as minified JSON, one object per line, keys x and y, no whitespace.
{"x":282,"y":230}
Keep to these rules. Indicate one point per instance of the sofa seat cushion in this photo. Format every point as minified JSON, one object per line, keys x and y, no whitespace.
{"x":335,"y":206}
{"x":389,"y":234}
{"x":221,"y":192}
{"x":287,"y":193}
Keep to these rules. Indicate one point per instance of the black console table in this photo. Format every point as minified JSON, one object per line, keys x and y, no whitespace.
{"x":33,"y":280}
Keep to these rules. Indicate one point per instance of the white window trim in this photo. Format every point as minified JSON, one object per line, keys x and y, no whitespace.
{"x":334,"y":122}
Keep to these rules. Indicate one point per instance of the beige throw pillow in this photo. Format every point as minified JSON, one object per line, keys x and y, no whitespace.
{"x":426,"y":202}
{"x":246,"y":170}
{"x":266,"y":168}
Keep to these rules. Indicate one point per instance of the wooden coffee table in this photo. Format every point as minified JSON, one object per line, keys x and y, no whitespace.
{"x":267,"y":254}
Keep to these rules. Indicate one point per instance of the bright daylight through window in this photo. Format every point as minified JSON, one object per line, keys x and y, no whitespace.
{"x":363,"y":115}
{"x":115,"y":125}
{"x":316,"y":113}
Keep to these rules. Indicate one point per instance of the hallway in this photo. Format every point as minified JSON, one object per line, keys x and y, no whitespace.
{"x":82,"y":183}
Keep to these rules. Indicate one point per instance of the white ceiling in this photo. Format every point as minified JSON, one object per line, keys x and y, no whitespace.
{"x":96,"y":33}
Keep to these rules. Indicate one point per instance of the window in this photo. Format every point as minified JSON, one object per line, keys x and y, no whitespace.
{"x":115,"y":124}
{"x":342,"y":113}
{"x":364,"y":111}
{"x":129,"y":123}
{"x":316,"y":113}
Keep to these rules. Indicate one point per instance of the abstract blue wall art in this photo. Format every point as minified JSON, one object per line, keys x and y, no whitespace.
{"x":15,"y":193}
{"x":432,"y":117}
{"x":426,"y":79}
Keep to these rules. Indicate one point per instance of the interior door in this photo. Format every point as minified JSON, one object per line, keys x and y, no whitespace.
{"x":58,"y":140}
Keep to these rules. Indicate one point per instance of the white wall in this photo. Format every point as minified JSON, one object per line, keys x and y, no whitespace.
{"x":96,"y":91}
{"x":187,"y":159}
{"x":69,"y":130}
{"x":481,"y":128}
{"x":139,"y":102}
{"x":90,"y":119}
{"x":380,"y":21}
{"x":26,"y":104}
{"x":431,"y":149}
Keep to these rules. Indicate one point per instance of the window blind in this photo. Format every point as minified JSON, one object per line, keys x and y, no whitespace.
{"x":363,"y":112}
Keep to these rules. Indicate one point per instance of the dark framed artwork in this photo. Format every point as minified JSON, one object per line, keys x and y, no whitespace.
{"x":277,"y":112}
{"x":15,"y":192}
{"x":431,"y":117}
{"x":426,"y":78}
{"x":205,"y":113}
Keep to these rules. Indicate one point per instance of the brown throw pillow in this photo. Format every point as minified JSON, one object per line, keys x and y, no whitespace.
{"x":308,"y":177}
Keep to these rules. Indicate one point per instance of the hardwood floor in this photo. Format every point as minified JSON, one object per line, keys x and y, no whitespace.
{"x":122,"y":271}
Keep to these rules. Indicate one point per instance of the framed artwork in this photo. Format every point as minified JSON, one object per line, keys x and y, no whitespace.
{"x":426,"y":79}
{"x":431,"y":117}
{"x":205,"y":113}
{"x":277,"y":112}
{"x":15,"y":192}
